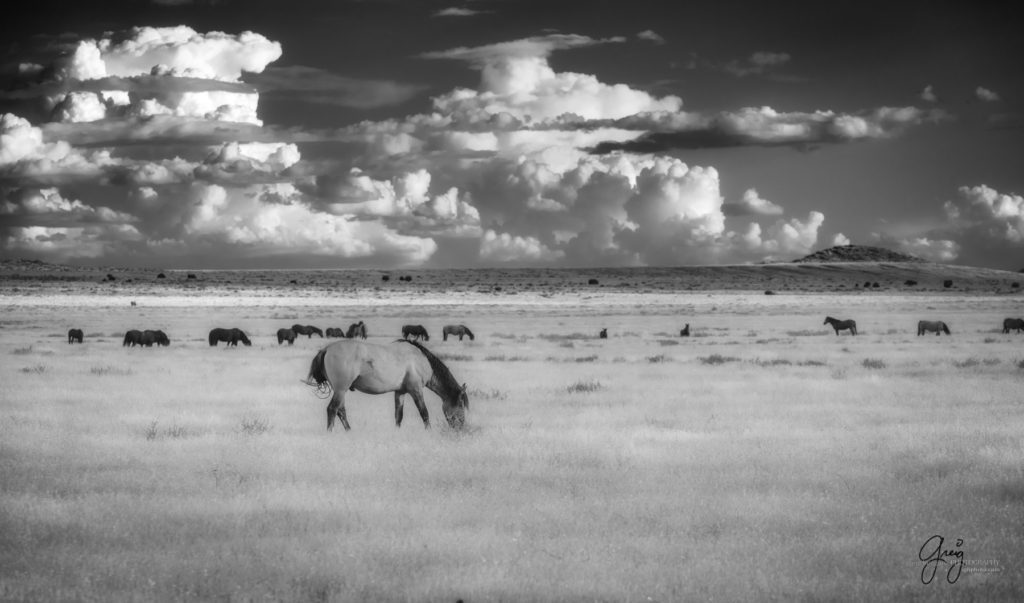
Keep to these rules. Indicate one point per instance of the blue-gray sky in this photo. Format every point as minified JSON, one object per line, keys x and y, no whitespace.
{"x":493,"y":132}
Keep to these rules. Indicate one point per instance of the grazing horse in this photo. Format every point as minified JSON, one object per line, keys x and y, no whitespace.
{"x":132,"y":338}
{"x":284,"y":335}
{"x":841,"y":325}
{"x":460,"y":330}
{"x":403,"y":367}
{"x":603,"y":334}
{"x":334,"y":332}
{"x":416,"y":332}
{"x":158,"y":337}
{"x":1008,"y":325}
{"x":685,"y":332}
{"x":308,"y":331}
{"x":230,"y":336}
{"x":356,"y":329}
{"x":937,"y":326}
{"x":75,"y":336}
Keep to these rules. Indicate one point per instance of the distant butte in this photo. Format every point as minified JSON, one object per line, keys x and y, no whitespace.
{"x":857,"y":253}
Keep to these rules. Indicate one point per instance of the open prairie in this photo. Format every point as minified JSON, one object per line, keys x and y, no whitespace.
{"x":763,"y":457}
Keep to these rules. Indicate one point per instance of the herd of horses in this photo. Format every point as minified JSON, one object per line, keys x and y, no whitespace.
{"x":354,"y":364}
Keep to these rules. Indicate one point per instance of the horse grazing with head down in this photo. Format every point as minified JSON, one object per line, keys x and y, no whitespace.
{"x":229,"y":336}
{"x":356,"y":329}
{"x":841,"y":325}
{"x":75,"y":336}
{"x":334,"y":332}
{"x":402,"y":367}
{"x":935,"y":326}
{"x":158,"y":337}
{"x":460,"y":330}
{"x":132,"y":338}
{"x":416,"y":332}
{"x":284,"y":335}
{"x":1013,"y":323}
{"x":308,"y":331}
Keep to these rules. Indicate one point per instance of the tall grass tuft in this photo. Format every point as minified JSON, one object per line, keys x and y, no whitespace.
{"x":111,"y":370}
{"x":717,"y":359}
{"x":38,"y":369}
{"x":254,"y":425}
{"x":873,"y":363}
{"x":584,"y":387}
{"x":658,"y":359}
{"x":22,"y":351}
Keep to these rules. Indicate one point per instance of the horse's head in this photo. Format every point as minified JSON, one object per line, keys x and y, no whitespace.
{"x":457,"y":414}
{"x":827,"y":318}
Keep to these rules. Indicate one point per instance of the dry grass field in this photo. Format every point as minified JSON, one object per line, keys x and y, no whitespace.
{"x":762,"y":458}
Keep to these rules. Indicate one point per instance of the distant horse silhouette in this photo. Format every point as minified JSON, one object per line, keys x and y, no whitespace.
{"x":460,"y":330}
{"x":308,"y":331}
{"x":603,"y":334}
{"x":284,"y":335}
{"x":75,"y":336}
{"x":1008,"y":325}
{"x":403,"y":367}
{"x":334,"y":332}
{"x":416,"y":332}
{"x":132,"y":338}
{"x":841,"y":325}
{"x":685,"y":332}
{"x":158,"y":337}
{"x":356,"y":329}
{"x":229,"y":336}
{"x":936,"y":326}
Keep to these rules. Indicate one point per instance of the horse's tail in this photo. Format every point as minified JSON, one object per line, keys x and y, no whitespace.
{"x":213,"y":338}
{"x":317,"y":372}
{"x":125,"y":342}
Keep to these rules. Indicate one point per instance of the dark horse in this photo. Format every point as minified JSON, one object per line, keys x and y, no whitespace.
{"x":158,"y":337}
{"x":356,"y":329}
{"x":1008,"y":325}
{"x":937,"y":326}
{"x":416,"y":332}
{"x":132,"y":338}
{"x":685,"y":331}
{"x":334,"y":332}
{"x":403,"y":367}
{"x":284,"y":335}
{"x":460,"y":330}
{"x":308,"y":331}
{"x":603,"y":334}
{"x":75,"y":336}
{"x":841,"y":325}
{"x":230,"y":336}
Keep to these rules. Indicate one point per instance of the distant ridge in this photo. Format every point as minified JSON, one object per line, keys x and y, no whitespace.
{"x":857,"y":253}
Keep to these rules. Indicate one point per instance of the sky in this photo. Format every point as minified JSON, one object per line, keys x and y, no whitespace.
{"x":494,"y":133}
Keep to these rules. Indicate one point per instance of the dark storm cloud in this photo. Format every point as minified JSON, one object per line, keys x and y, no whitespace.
{"x":314,"y":85}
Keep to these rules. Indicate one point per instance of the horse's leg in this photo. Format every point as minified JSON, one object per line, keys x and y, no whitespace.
{"x":398,"y":409}
{"x":337,"y":400}
{"x":417,"y":397}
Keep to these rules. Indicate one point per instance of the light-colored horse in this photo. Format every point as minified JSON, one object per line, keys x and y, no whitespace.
{"x":936,"y":326}
{"x":841,"y":325}
{"x":460,"y":330}
{"x":403,"y":367}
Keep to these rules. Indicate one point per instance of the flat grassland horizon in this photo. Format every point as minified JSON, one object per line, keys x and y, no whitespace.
{"x":761,"y":458}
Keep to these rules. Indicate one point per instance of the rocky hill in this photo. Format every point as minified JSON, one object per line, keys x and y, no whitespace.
{"x":857,"y":253}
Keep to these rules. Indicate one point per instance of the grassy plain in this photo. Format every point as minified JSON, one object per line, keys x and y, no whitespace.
{"x":763,"y":458}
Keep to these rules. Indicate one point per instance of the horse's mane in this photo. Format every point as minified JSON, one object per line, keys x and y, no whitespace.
{"x":444,"y":376}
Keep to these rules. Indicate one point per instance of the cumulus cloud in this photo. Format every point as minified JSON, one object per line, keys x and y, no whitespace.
{"x":651,"y":36}
{"x":982,"y":209}
{"x":752,"y":205}
{"x":455,"y":11}
{"x":505,"y":248}
{"x":765,"y":126}
{"x":933,"y":250}
{"x":928,"y":94}
{"x":840,"y":240}
{"x":48,"y":206}
{"x":985,"y":94}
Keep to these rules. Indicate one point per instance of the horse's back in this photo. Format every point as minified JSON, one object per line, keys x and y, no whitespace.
{"x":375,"y":366}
